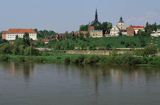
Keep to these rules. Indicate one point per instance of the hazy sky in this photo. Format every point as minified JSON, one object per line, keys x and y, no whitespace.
{"x":67,"y":15}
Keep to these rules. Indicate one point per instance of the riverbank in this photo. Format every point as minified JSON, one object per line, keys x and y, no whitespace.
{"x":126,"y":59}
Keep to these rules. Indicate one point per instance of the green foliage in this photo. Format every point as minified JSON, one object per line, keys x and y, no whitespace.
{"x":84,"y":28}
{"x":105,"y":26}
{"x":150,"y":50}
{"x":45,"y":33}
{"x":5,"y":48}
{"x":20,"y":47}
{"x":150,"y":28}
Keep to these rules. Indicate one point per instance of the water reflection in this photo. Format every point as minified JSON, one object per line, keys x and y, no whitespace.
{"x":18,"y":69}
{"x":71,"y":84}
{"x":119,"y":77}
{"x":109,"y":75}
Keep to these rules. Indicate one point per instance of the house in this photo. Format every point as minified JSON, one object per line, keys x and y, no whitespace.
{"x":138,"y":28}
{"x":156,"y":33}
{"x":11,"y":34}
{"x":114,"y":31}
{"x":132,"y":30}
{"x":96,"y":33}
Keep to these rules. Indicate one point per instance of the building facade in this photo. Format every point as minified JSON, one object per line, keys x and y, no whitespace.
{"x":138,"y":28}
{"x":96,"y":33}
{"x":114,"y":31}
{"x":11,"y":34}
{"x":130,"y":31}
{"x":133,"y":30}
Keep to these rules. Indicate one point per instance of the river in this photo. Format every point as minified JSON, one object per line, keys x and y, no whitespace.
{"x":57,"y":84}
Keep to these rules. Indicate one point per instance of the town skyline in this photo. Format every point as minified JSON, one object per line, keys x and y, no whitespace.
{"x":30,"y":14}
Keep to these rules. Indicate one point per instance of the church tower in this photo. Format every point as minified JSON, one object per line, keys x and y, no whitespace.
{"x":96,"y":16}
{"x":96,"y":21}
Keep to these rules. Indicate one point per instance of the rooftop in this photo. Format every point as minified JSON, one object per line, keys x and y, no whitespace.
{"x":17,"y":31}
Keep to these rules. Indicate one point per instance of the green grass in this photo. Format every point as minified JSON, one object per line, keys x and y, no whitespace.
{"x":127,"y":60}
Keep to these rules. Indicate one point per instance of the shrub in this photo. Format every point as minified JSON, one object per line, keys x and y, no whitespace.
{"x":150,"y":50}
{"x":67,"y":60}
{"x":4,"y":58}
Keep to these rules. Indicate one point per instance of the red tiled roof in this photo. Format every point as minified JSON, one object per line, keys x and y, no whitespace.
{"x":15,"y":31}
{"x":137,"y":26}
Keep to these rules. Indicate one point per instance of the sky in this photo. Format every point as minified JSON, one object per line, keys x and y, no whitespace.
{"x":68,"y":15}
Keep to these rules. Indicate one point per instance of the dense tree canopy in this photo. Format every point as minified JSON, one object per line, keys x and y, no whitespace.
{"x":45,"y":34}
{"x":84,"y":28}
{"x":105,"y":26}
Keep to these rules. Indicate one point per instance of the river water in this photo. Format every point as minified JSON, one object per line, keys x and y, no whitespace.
{"x":56,"y":84}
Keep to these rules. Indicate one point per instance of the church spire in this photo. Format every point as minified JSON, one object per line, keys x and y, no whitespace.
{"x":121,"y":20}
{"x":96,"y":22}
{"x":96,"y":16}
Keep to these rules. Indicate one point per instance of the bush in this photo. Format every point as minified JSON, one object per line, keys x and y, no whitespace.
{"x":78,"y":60}
{"x":67,"y":60}
{"x":150,"y":50}
{"x":4,"y":58}
{"x":92,"y":60}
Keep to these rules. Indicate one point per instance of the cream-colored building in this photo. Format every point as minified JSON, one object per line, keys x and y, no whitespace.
{"x":96,"y":33}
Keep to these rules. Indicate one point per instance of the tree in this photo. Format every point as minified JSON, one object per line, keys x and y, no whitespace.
{"x":26,"y":39}
{"x":84,"y":28}
{"x":45,"y":33}
{"x":5,"y":48}
{"x":105,"y":26}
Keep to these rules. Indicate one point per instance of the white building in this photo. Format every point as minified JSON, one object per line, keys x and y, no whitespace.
{"x":11,"y":34}
{"x":156,"y":34}
{"x":114,"y":31}
{"x":122,"y":27}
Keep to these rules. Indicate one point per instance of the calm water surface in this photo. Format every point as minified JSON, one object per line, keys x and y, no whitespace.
{"x":54,"y":84}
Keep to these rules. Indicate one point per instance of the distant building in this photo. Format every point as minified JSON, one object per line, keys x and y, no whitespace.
{"x":114,"y":31}
{"x":122,"y":27}
{"x":96,"y":33}
{"x":91,"y":28}
{"x":156,"y":33}
{"x":11,"y":34}
{"x":138,"y":28}
{"x":96,"y":21}
{"x":130,"y":31}
{"x":133,"y":30}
